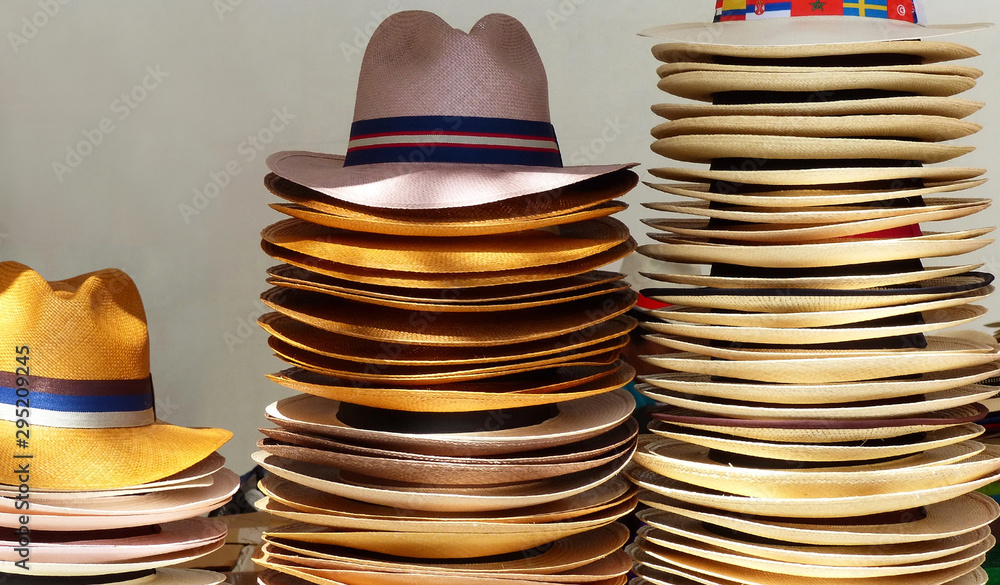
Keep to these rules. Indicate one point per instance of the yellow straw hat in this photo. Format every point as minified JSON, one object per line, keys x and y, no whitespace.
{"x":74,"y":364}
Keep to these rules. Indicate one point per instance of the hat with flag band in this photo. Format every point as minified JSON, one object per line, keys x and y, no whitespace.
{"x":810,"y":22}
{"x":75,"y":381}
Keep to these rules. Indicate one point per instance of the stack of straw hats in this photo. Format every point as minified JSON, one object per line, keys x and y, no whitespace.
{"x":95,"y":488}
{"x":461,"y":417}
{"x":818,"y":426}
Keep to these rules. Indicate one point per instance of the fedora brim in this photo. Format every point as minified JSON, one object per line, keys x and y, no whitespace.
{"x":102,"y":459}
{"x":417,"y":185}
{"x":952,"y":107}
{"x":813,"y":30}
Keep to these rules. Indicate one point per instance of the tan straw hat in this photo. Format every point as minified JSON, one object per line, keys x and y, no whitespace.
{"x":804,"y":507}
{"x":821,"y":392}
{"x":951,"y":107}
{"x":820,"y":452}
{"x":513,"y":251}
{"x":92,"y":419}
{"x":559,"y":424}
{"x":913,"y":126}
{"x":443,"y":119}
{"x":941,"y":520}
{"x":811,"y":177}
{"x":589,"y":199}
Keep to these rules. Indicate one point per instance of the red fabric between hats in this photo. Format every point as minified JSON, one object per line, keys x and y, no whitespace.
{"x":906,"y":231}
{"x":645,"y":302}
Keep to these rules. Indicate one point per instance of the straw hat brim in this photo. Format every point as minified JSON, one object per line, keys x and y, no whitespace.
{"x":586,"y":200}
{"x":823,"y":430}
{"x":611,"y":493}
{"x":501,"y":294}
{"x":818,"y":254}
{"x":704,"y":148}
{"x":840,"y":282}
{"x":198,"y":475}
{"x":602,"y":354}
{"x":821,"y":393}
{"x":425,"y":185}
{"x":325,"y":343}
{"x":827,"y":34}
{"x":600,"y":446}
{"x":672,"y":567}
{"x":443,"y":472}
{"x":125,"y":511}
{"x":664,"y":529}
{"x":813,"y":318}
{"x":945,"y":69}
{"x":817,"y":176}
{"x":102,"y":459}
{"x":767,"y":232}
{"x":438,"y":540}
{"x":951,"y":107}
{"x":944,"y":519}
{"x":846,"y":368}
{"x":69,"y":569}
{"x":575,"y":420}
{"x":928,"y":51}
{"x":932,"y":321}
{"x":813,"y":452}
{"x":516,"y":391}
{"x":669,"y":546}
{"x":811,"y":508}
{"x":435,"y":305}
{"x":898,"y":126}
{"x":693,"y":464}
{"x":436,"y":498}
{"x":573,"y":554}
{"x":447,"y":329}
{"x":781,"y":213}
{"x":444,"y":281}
{"x":274,"y":577}
{"x":513,"y":251}
{"x":165,"y":576}
{"x":933,"y":346}
{"x":905,"y":406}
{"x":703,"y":85}
{"x":802,"y":300}
{"x":165,"y":539}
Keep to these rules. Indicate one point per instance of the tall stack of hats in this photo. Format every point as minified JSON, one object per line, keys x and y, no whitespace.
{"x":461,"y":416}
{"x":95,"y":488}
{"x":818,"y":426}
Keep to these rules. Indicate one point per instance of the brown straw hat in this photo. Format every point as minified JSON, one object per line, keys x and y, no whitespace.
{"x":447,"y":329}
{"x":93,"y":424}
{"x":511,"y":391}
{"x":589,"y":199}
{"x":941,"y":520}
{"x":444,"y":118}
{"x":446,"y":280}
{"x":514,"y":251}
{"x":287,"y":275}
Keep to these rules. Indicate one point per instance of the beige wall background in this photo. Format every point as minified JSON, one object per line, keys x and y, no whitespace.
{"x":133,"y":133}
